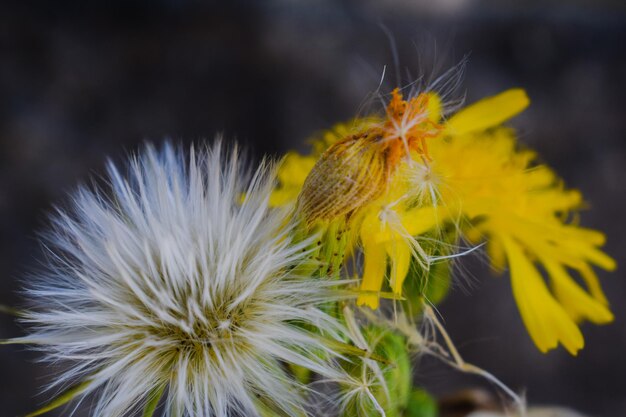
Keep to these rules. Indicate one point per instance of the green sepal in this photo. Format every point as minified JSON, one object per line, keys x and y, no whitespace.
{"x":62,"y":399}
{"x":153,"y":401}
{"x":333,"y":249}
{"x":421,"y":404}
{"x":398,"y":377}
{"x":309,"y":267}
{"x":438,"y":284}
{"x":430,"y":285}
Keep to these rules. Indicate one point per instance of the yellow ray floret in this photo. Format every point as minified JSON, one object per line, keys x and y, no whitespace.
{"x":488,"y":112}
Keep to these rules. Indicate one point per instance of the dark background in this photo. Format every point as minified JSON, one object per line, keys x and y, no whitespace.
{"x":82,"y":83}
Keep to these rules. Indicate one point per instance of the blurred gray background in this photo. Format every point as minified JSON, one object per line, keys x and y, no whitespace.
{"x":82,"y":82}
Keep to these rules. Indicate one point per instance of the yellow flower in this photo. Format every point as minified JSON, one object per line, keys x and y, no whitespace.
{"x":521,"y":209}
{"x":473,"y":176}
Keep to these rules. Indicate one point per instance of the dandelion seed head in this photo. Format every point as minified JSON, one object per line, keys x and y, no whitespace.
{"x":168,"y":281}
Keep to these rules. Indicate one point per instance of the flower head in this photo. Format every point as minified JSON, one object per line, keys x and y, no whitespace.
{"x":171,"y":284}
{"x":474,"y":181}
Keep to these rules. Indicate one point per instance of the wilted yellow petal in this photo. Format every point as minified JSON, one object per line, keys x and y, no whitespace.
{"x":347,"y":177}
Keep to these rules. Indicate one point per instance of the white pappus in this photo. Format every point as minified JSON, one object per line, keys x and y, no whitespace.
{"x":169,"y":284}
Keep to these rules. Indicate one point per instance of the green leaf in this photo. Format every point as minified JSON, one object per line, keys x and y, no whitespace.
{"x":62,"y":399}
{"x":153,"y":401}
{"x":421,"y":404}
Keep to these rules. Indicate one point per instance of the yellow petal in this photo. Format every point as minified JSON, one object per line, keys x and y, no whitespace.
{"x":497,"y":256}
{"x":434,"y":107}
{"x":294,"y":168}
{"x":546,"y":321}
{"x":418,"y":221}
{"x":578,"y":303}
{"x":283,"y":196}
{"x":374,"y":268}
{"x":593,"y":283}
{"x":596,"y":256}
{"x":488,"y":112}
{"x":399,"y":252}
{"x":291,"y":174}
{"x":538,"y":177}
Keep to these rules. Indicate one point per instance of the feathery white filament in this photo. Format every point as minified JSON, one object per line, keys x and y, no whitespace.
{"x":171,"y":281}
